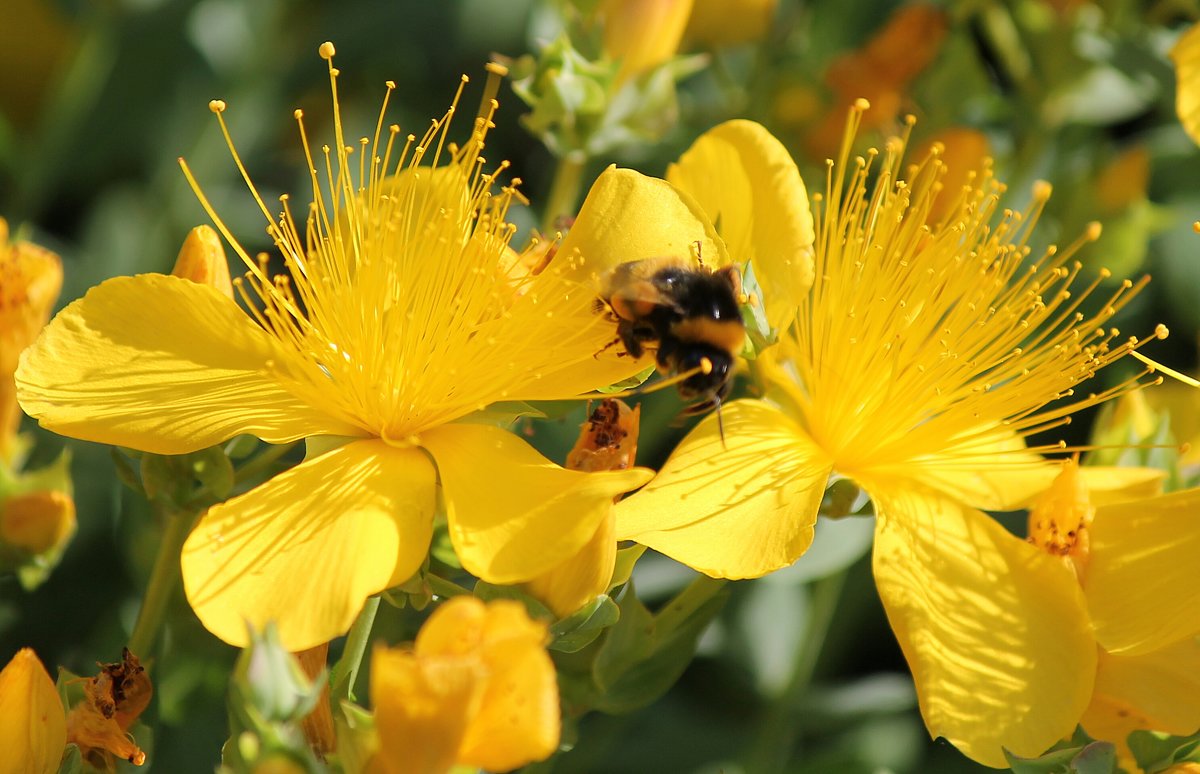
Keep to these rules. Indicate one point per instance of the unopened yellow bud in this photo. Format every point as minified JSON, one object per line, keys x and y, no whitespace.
{"x":30,"y":281}
{"x":202,"y":260}
{"x":37,"y":522}
{"x":33,"y":725}
{"x":476,"y":689}
{"x":643,"y":34}
{"x":729,"y":22}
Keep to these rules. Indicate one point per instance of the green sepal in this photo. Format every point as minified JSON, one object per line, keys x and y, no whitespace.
{"x":490,"y":591}
{"x":125,"y":471}
{"x":241,"y":446}
{"x":623,"y":567}
{"x":1092,"y":758}
{"x":1155,"y":751}
{"x":580,"y":629}
{"x":72,"y":761}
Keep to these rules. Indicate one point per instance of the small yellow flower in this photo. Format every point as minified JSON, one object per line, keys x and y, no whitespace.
{"x":30,"y":280}
{"x":919,"y":360}
{"x":33,"y":725}
{"x":1148,"y":667}
{"x":397,"y":316}
{"x":477,"y":689}
{"x":642,"y":34}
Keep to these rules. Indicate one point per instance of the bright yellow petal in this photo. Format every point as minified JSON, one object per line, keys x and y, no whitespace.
{"x":628,"y":216}
{"x":33,"y":724}
{"x":994,"y":630}
{"x":164,"y":365}
{"x":1154,"y":692}
{"x":1186,"y":56}
{"x":514,"y":514}
{"x":1001,"y":475}
{"x":735,"y":511}
{"x":309,"y":546}
{"x":1143,"y":588}
{"x":749,"y":186}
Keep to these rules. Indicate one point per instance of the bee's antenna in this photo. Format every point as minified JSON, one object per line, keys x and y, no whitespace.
{"x":720,"y":421}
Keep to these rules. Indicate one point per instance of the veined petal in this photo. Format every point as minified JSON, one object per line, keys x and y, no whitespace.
{"x":309,"y":546}
{"x":764,"y":484}
{"x":164,"y":365}
{"x":513,"y":514}
{"x":628,"y":216}
{"x":1156,"y":692}
{"x":748,"y":184}
{"x":1143,"y":588}
{"x":994,"y":630}
{"x":1000,"y":474}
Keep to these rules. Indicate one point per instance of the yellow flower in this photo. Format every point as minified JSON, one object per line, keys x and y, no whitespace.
{"x":33,"y":725}
{"x":642,"y":34}
{"x":30,"y":280}
{"x":476,"y":689}
{"x":729,"y":22}
{"x":922,"y":356}
{"x":1186,"y":56}
{"x":1142,"y":608}
{"x":397,"y":317}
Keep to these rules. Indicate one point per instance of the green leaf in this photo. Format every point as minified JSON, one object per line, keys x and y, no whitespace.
{"x":1091,"y":758}
{"x":72,"y":761}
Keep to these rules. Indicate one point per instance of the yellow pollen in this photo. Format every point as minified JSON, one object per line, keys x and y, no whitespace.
{"x":217,"y":106}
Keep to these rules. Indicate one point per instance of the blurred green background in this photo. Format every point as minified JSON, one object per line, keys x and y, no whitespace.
{"x":800,"y":673}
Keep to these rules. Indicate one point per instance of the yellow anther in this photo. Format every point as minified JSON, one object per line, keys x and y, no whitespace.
{"x":327,"y":50}
{"x":217,"y":106}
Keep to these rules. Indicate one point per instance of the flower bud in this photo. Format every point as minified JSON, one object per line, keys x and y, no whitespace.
{"x":202,"y":260}
{"x":37,"y":522}
{"x":643,"y":34}
{"x":33,"y":725}
{"x":30,"y":281}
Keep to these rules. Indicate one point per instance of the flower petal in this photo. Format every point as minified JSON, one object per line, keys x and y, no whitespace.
{"x":513,"y":514}
{"x":309,"y":546}
{"x":748,"y":184}
{"x":737,"y":508}
{"x":164,"y":365}
{"x":1156,"y":692}
{"x":1143,"y":586}
{"x":628,"y":216}
{"x":1186,"y":56}
{"x":994,"y":630}
{"x":33,"y":724}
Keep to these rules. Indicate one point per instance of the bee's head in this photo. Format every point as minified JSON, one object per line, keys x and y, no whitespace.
{"x":708,"y":388}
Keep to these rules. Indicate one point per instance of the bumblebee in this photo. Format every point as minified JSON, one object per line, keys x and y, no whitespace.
{"x":689,"y":313}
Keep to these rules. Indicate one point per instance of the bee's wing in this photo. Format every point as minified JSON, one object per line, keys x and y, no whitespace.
{"x":630,"y":290}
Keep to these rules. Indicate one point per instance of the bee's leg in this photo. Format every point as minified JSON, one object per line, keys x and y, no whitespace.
{"x":632,"y":337}
{"x":607,"y":347}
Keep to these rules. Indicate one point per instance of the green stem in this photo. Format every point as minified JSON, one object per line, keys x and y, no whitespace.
{"x":262,"y":462}
{"x":696,"y":595}
{"x":444,"y":588}
{"x":564,"y":191}
{"x":776,"y":735}
{"x":345,"y":672}
{"x":163,"y":580}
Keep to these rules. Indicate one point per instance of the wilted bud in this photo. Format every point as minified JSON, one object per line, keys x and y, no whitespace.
{"x":729,"y":22}
{"x":318,"y":724}
{"x":37,"y":522}
{"x":476,"y":689}
{"x":33,"y":725}
{"x":99,"y":724}
{"x":1060,"y":519}
{"x":30,"y":281}
{"x":608,"y":442}
{"x":202,"y":260}
{"x":643,"y":34}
